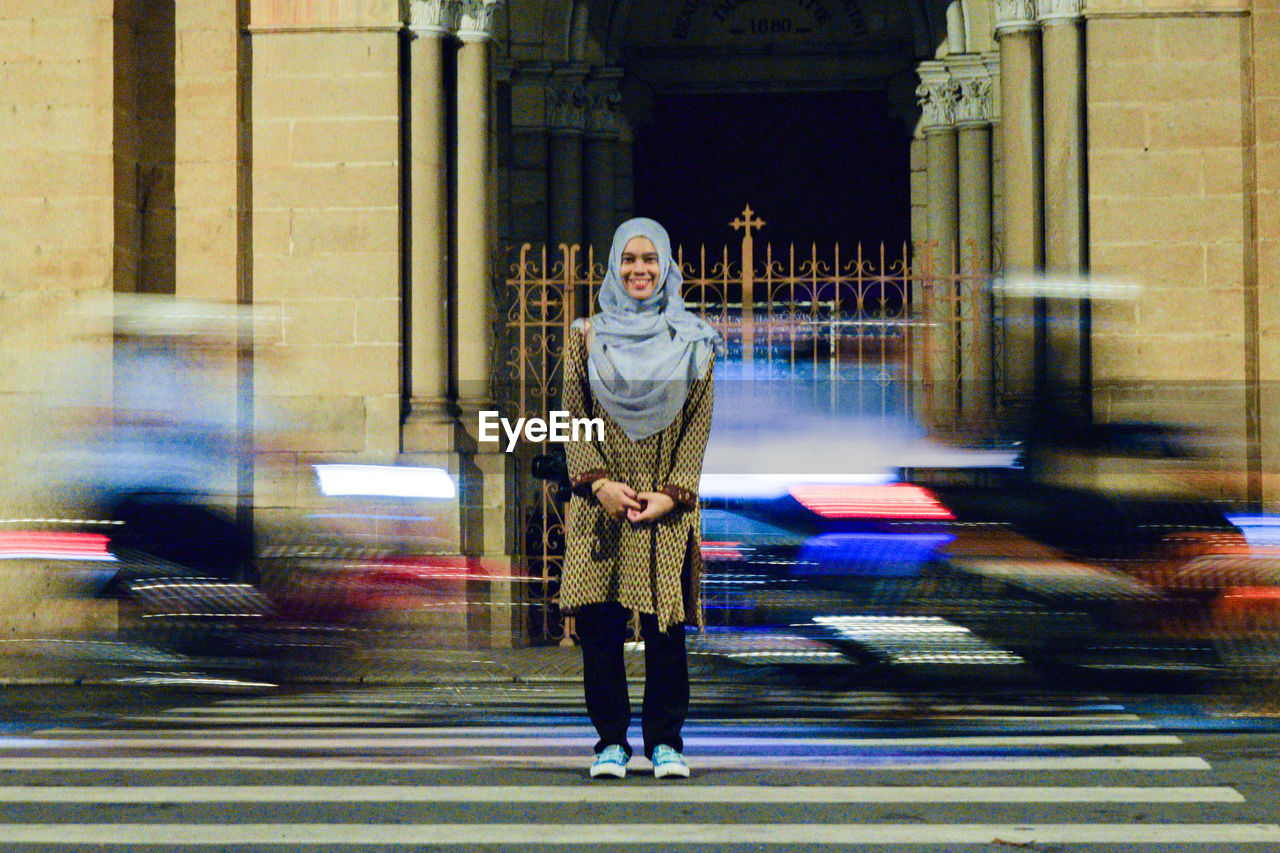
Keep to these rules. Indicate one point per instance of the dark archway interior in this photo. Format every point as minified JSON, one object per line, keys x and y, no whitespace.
{"x":817,"y":167}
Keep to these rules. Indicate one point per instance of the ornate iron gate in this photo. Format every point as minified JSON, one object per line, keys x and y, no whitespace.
{"x":901,"y":326}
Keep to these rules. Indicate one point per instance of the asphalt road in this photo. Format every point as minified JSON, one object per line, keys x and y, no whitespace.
{"x":780,"y":762}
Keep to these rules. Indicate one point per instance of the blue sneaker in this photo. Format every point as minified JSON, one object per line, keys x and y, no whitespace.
{"x":611,"y":763}
{"x":668,"y":762}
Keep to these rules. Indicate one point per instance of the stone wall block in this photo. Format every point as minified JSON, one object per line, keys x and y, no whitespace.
{"x":377,"y":321}
{"x":1171,"y":219}
{"x":319,"y":321}
{"x":205,"y":229}
{"x":208,"y":274}
{"x":1182,"y":263}
{"x":313,"y":423}
{"x":1225,"y":265}
{"x":1121,"y":126}
{"x":360,"y":140}
{"x":1184,"y":37}
{"x":330,"y":185}
{"x":1223,"y":170}
{"x":59,"y":222}
{"x":382,"y":429}
{"x":205,"y":95}
{"x":1195,"y":357}
{"x":1167,"y":316}
{"x":370,"y":229}
{"x":51,"y":84}
{"x":356,"y":370}
{"x":78,"y":128}
{"x":1268,"y":207}
{"x":340,"y":55}
{"x":211,"y":15}
{"x":272,"y":235}
{"x":68,"y":39}
{"x":1267,"y":115}
{"x":205,"y":140}
{"x":334,"y":274}
{"x":1133,"y":172}
{"x":87,"y":268}
{"x":207,"y":184}
{"x":325,"y":96}
{"x":1120,"y":39}
{"x":73,"y":173}
{"x":203,"y":51}
{"x":272,"y":148}
{"x":1163,"y":80}
{"x":1208,"y":123}
{"x":1153,"y":7}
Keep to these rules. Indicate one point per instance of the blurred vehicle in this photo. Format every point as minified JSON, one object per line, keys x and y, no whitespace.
{"x":320,"y":601}
{"x":148,"y":465}
{"x":998,"y":565}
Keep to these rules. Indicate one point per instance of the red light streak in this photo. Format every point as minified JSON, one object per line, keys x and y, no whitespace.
{"x":53,"y":544}
{"x":897,"y":500}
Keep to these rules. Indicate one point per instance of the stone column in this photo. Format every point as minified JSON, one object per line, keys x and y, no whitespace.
{"x":529,"y":154}
{"x":429,"y":426}
{"x":473,"y":261}
{"x":624,"y":171}
{"x":566,"y":120}
{"x":1064,"y":238}
{"x":485,"y":474}
{"x":974,"y":113}
{"x":601,"y":143}
{"x":938,"y":94}
{"x":1017,"y":32}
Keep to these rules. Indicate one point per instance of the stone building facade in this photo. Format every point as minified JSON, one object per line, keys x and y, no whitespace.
{"x":356,"y":169}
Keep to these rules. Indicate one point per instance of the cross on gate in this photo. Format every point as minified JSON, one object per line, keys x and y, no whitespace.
{"x":745,"y":223}
{"x":748,"y":221}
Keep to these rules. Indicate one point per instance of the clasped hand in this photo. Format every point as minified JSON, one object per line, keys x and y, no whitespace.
{"x":639,"y":507}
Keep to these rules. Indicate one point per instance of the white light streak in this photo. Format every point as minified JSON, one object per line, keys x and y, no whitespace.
{"x":392,"y":481}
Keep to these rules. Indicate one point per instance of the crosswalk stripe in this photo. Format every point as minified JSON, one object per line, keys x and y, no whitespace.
{"x":801,"y":794}
{"x":585,"y":741}
{"x":717,"y":762}
{"x":1125,"y":721}
{"x":645,"y":833}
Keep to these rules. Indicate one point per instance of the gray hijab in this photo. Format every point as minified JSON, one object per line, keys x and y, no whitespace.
{"x":644,"y":353}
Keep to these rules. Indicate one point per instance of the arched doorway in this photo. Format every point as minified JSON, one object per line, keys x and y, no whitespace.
{"x":819,"y":167}
{"x":802,"y":108}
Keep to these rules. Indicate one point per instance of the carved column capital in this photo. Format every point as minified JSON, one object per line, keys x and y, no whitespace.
{"x":1013,"y":16}
{"x":475,"y":19}
{"x":431,"y":17}
{"x":603,"y":102}
{"x":977,"y":82}
{"x":938,"y":94}
{"x":1059,"y":11}
{"x":567,"y":100}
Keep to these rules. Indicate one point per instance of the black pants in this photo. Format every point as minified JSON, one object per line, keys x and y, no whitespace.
{"x":602,"y":630}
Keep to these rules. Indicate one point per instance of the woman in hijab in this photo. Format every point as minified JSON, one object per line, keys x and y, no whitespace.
{"x":643,"y":364}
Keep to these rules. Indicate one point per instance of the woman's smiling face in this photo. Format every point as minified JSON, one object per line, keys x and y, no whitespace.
{"x":639,"y":268}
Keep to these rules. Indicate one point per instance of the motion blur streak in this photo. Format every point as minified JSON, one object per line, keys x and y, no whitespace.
{"x":53,"y":545}
{"x":899,"y":500}
{"x":385,"y":481}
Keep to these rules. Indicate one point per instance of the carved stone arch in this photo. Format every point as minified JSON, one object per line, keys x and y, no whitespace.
{"x":557,"y":28}
{"x":611,"y":17}
{"x":957,"y":27}
{"x":929,"y":26}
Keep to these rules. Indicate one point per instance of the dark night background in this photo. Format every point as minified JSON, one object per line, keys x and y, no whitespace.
{"x":822,"y":166}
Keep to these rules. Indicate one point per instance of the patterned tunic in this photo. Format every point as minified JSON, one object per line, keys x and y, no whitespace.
{"x":654,"y":567}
